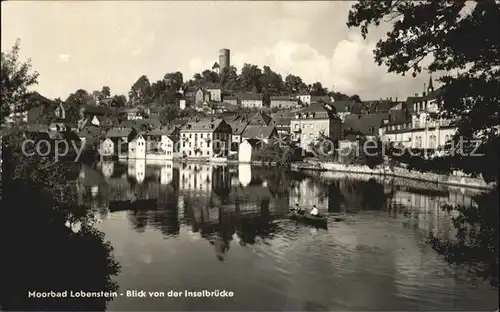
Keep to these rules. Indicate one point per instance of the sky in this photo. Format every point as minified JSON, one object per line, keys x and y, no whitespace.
{"x":89,"y":44}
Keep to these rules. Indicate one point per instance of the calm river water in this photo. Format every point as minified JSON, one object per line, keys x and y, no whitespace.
{"x":224,"y":227}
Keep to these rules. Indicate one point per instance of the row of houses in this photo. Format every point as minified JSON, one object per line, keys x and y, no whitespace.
{"x":137,"y":133}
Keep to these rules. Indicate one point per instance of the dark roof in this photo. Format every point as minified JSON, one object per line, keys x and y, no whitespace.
{"x":96,"y":110}
{"x":319,"y":111}
{"x":283,"y":98}
{"x":346,"y":106}
{"x":206,"y":124}
{"x":259,"y":118}
{"x":250,"y":96}
{"x":137,"y":123}
{"x":238,"y":127}
{"x":324,"y":98}
{"x":377,"y":106}
{"x":168,"y":131}
{"x":119,"y":132}
{"x":212,"y":86}
{"x":357,"y":123}
{"x":282,"y":121}
{"x":255,"y":132}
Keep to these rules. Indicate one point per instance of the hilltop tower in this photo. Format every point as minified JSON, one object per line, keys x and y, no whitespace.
{"x":224,"y":59}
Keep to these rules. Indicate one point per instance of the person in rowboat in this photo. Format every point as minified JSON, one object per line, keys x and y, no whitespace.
{"x":133,"y":197}
{"x":297,"y":209}
{"x":314,"y":211}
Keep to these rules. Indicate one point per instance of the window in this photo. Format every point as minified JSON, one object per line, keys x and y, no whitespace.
{"x":296,"y":126}
{"x":447,"y":138}
{"x":418,"y":142}
{"x":370,"y":129}
{"x":432,"y":141}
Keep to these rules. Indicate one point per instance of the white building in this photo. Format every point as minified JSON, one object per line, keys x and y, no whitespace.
{"x":162,"y":143}
{"x":137,"y":148}
{"x":107,"y":147}
{"x":304,"y":98}
{"x":423,"y":131}
{"x":215,"y":93}
{"x":166,"y":173}
{"x":245,"y":152}
{"x":313,"y":121}
{"x":205,"y":138}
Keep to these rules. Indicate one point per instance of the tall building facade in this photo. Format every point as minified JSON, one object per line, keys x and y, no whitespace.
{"x":224,"y":58}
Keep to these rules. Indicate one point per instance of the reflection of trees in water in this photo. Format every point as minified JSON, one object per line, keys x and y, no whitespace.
{"x":39,"y":251}
{"x":477,"y":237}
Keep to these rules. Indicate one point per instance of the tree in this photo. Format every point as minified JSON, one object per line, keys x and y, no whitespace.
{"x":16,"y":79}
{"x":338,"y":96}
{"x":272,"y":81}
{"x":250,"y":77}
{"x":317,"y":89}
{"x":168,"y":114}
{"x":209,"y":76}
{"x":450,"y":37}
{"x":294,"y":83}
{"x":173,"y":81}
{"x":105,"y":92}
{"x":65,"y":259}
{"x":140,"y":92}
{"x":355,"y":97}
{"x":75,"y":102}
{"x":229,"y":79}
{"x":119,"y":101}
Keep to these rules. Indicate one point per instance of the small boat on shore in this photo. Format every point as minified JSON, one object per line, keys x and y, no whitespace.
{"x":307,"y":218}
{"x":140,"y":204}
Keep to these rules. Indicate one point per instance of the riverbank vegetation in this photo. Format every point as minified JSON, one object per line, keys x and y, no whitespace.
{"x":460,"y":41}
{"x":48,"y":241}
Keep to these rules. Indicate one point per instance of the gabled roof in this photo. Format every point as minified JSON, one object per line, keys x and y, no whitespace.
{"x":256,"y":132}
{"x":319,"y":111}
{"x":347,"y":106}
{"x":283,"y":98}
{"x":36,"y":99}
{"x":212,"y":86}
{"x":260,"y":118}
{"x":250,"y":96}
{"x":96,"y":110}
{"x":361,"y":124}
{"x":202,"y":125}
{"x":119,"y":132}
{"x":166,"y":130}
{"x":238,"y":127}
{"x":324,"y":98}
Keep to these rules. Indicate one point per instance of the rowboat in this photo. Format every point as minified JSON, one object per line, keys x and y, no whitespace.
{"x":307,"y":218}
{"x":140,"y":204}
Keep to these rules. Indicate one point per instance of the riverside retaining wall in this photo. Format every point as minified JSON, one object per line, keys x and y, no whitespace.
{"x":455,"y":179}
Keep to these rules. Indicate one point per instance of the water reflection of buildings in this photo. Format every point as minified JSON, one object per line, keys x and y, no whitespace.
{"x":137,"y":169}
{"x":308,"y":192}
{"x":199,"y":195}
{"x":424,"y":209}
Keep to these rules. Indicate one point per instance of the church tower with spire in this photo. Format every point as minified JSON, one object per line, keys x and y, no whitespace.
{"x":430,"y":88}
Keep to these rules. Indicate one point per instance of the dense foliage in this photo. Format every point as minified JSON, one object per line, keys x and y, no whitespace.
{"x":48,"y":241}
{"x":16,"y":79}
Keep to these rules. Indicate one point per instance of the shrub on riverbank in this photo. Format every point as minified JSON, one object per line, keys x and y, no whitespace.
{"x":43,"y":251}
